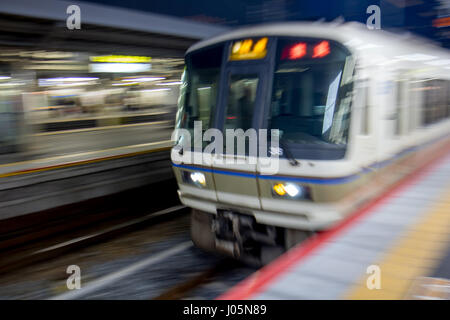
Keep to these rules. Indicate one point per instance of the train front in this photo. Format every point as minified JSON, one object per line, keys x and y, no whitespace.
{"x":262,"y":131}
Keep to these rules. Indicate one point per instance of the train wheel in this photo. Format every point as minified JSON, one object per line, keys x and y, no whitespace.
{"x":201,"y":233}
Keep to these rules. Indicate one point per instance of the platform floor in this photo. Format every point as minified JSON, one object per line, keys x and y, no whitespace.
{"x":401,"y":240}
{"x":55,"y":149}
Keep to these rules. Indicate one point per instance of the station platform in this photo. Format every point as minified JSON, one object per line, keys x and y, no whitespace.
{"x":63,"y":168}
{"x":395,"y":247}
{"x":50,"y":149}
{"x":96,"y":121}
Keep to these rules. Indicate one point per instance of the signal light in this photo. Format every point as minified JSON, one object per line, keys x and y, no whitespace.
{"x":295,"y":51}
{"x":321,"y":50}
{"x":279,"y":189}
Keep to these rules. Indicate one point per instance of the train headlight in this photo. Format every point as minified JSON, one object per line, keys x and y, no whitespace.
{"x":290,"y":190}
{"x":198,"y":179}
{"x":195,"y":178}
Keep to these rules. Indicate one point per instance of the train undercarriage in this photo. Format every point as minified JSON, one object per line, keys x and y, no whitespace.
{"x":241,"y":237}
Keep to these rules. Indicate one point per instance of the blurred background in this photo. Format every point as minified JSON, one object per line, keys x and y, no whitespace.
{"x":85,"y":123}
{"x":128,"y":57}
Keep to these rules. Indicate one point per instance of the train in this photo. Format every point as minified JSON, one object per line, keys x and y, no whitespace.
{"x":354,"y":112}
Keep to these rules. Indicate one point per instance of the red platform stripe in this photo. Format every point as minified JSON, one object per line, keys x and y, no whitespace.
{"x":257,"y":282}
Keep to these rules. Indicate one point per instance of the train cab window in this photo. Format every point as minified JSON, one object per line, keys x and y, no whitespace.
{"x":241,"y":101}
{"x":198,"y":96}
{"x":312,"y":92}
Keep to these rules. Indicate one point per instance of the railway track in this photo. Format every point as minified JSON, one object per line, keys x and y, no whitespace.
{"x":184,"y":286}
{"x":45,"y":251}
{"x":41,"y":236}
{"x":184,"y":289}
{"x":28,"y":256}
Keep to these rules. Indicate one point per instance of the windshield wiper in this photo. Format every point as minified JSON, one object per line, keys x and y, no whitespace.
{"x":288,"y":152}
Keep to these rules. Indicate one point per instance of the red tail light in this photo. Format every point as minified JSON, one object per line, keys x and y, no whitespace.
{"x":295,"y":51}
{"x":321,"y":50}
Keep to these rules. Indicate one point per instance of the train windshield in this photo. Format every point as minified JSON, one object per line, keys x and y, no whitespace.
{"x":198,"y":93}
{"x":310,"y":101}
{"x":311,"y":94}
{"x":241,"y":101}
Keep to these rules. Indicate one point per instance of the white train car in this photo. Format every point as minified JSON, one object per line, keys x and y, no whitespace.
{"x":356,"y":111}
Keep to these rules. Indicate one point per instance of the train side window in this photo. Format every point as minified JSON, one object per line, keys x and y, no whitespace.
{"x":435,"y":107}
{"x":399,"y":107}
{"x":443,"y":99}
{"x":448,"y":98}
{"x":441,"y":86}
{"x":365,"y":111}
{"x":427,"y":104}
{"x":414,"y":104}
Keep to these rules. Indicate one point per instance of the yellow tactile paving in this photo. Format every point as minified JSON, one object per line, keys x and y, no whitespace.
{"x":413,"y":256}
{"x":430,"y":289}
{"x":79,"y":162}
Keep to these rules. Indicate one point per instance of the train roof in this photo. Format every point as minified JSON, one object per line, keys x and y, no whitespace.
{"x":374,"y":46}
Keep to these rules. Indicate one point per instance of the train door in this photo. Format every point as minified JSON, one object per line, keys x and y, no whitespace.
{"x":382,"y":124}
{"x":238,"y":119}
{"x":365,"y":144}
{"x":393,"y":127}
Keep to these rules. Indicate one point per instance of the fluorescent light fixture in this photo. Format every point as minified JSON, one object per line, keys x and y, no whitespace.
{"x":73,"y":84}
{"x":154,"y":90}
{"x":4,"y":77}
{"x":175,"y":83}
{"x":65,"y":81}
{"x":125,"y":84}
{"x":119,"y":67}
{"x":12,"y":84}
{"x":121,"y":59}
{"x":144,"y":79}
{"x":71,"y":79}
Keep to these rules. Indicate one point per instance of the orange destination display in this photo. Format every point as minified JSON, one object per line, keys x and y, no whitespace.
{"x":249,"y":49}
